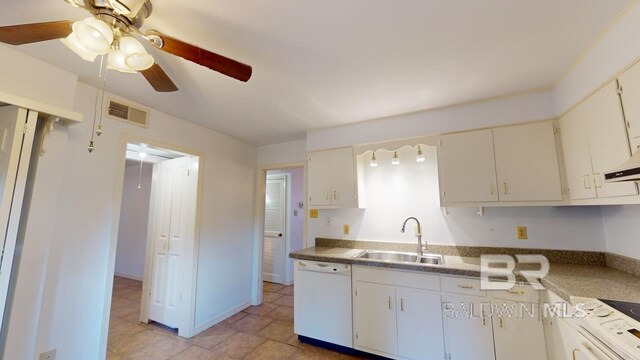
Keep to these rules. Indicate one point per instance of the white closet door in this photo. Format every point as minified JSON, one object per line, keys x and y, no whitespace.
{"x":17,"y":130}
{"x":274,"y":257}
{"x":174,"y":237}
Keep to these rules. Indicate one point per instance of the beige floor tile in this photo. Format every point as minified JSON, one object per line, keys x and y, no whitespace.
{"x":282,"y":313}
{"x":272,"y":350}
{"x":114,"y":356}
{"x":159,"y":348}
{"x":261,"y":310}
{"x":271,"y":287}
{"x":286,"y":291}
{"x":277,"y":331}
{"x":212,"y":336}
{"x":239,"y":345}
{"x":198,"y":353}
{"x":234,"y":318}
{"x":286,"y":300}
{"x":269,"y":297}
{"x":251,"y":324}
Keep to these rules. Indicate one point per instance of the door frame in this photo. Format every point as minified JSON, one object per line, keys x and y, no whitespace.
{"x":125,"y":138}
{"x":287,"y":222}
{"x":258,"y":238}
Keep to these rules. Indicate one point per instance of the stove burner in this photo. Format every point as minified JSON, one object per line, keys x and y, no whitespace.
{"x":632,"y":310}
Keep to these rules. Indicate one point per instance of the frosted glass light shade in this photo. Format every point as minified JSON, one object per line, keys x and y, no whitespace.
{"x":395,"y":160}
{"x":94,"y":35}
{"x":373,"y":162}
{"x":420,"y":157}
{"x":136,"y":56}
{"x":116,"y":62}
{"x":74,"y":44}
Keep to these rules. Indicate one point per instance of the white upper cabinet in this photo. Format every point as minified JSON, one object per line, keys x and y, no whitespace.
{"x":595,"y":141}
{"x":508,"y":164}
{"x":527,"y":163}
{"x":332,"y":178}
{"x":630,"y":86}
{"x":467,"y":167}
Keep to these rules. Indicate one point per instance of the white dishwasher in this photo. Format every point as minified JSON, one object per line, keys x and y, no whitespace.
{"x":322,"y":302}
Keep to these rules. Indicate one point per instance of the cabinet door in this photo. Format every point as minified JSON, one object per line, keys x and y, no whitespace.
{"x":375,"y":318}
{"x":420,"y":332}
{"x":630,"y":84}
{"x":608,"y":141}
{"x":469,"y":334}
{"x":560,"y":339}
{"x":527,"y":163}
{"x":467,"y":167}
{"x":343,"y":177}
{"x":518,"y":332}
{"x":319,"y":182}
{"x":577,"y":158}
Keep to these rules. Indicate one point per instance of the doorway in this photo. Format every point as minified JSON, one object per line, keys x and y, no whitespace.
{"x":283,"y":223}
{"x":155,"y":261}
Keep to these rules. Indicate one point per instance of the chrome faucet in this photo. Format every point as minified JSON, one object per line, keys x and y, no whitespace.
{"x":418,"y":235}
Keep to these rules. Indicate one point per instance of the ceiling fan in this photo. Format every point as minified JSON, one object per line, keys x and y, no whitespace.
{"x":112,"y":31}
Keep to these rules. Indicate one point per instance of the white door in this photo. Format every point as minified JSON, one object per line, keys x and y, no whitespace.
{"x":17,"y":129}
{"x":469,"y":335}
{"x":173,"y":240}
{"x":527,"y":163}
{"x":343,"y":177}
{"x":467,"y":167}
{"x":275,"y":224}
{"x":375,"y":318}
{"x":519,"y":336}
{"x":420,"y":332}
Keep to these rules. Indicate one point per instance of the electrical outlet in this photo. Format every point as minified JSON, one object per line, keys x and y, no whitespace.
{"x":313,"y":213}
{"x":522,"y":233}
{"x":295,"y":212}
{"x":346,"y":229}
{"x":327,"y":221}
{"x":48,"y":355}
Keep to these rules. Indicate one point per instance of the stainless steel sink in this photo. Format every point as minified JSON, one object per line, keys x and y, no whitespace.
{"x":401,"y":257}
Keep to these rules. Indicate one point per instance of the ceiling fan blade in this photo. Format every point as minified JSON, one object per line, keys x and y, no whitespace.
{"x":200,"y":56}
{"x":159,"y":79}
{"x":30,"y":33}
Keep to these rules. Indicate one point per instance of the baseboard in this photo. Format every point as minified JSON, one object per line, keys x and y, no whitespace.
{"x":209,"y":323}
{"x":127,"y":276}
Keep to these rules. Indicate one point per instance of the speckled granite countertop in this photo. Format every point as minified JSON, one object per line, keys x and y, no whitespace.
{"x":566,"y":280}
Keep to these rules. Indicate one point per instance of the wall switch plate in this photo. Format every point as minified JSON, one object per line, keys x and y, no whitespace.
{"x":313,"y":213}
{"x":295,"y":212}
{"x":522,"y":233}
{"x":48,"y":355}
{"x":346,"y":229}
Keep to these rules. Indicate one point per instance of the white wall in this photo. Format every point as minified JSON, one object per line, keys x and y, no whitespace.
{"x":395,"y":192}
{"x":618,"y":49}
{"x":283,"y":153}
{"x":63,"y":277}
{"x":134,"y":218}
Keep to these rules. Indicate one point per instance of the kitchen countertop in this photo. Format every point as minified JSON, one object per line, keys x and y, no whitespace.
{"x":566,"y":280}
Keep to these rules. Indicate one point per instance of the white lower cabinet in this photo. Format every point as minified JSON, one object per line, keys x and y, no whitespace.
{"x":397,"y":321}
{"x":468,"y":329}
{"x":520,"y":334}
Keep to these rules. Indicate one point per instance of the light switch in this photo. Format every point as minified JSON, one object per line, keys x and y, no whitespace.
{"x":346,"y":229}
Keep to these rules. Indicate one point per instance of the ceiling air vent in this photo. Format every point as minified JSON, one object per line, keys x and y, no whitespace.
{"x":127,"y":113}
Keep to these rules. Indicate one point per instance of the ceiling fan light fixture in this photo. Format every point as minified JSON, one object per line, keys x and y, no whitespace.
{"x":126,"y":7}
{"x":94,"y":35}
{"x":74,"y":44}
{"x":136,"y":56}
{"x":116,"y":62}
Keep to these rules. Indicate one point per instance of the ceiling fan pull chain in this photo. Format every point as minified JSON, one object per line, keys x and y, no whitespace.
{"x":104,"y":86}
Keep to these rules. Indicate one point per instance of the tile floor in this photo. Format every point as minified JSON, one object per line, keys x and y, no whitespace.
{"x":257,"y":333}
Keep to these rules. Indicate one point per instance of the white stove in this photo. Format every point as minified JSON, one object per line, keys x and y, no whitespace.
{"x":610,"y":330}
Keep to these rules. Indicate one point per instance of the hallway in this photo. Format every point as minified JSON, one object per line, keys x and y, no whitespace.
{"x":258,"y":332}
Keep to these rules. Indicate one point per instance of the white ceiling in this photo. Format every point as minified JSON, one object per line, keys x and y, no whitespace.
{"x":325,"y":63}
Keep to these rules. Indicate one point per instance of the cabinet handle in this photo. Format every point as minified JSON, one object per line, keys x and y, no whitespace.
{"x":501,"y":322}
{"x":484,"y":320}
{"x":401,"y":304}
{"x":326,"y":195}
{"x":573,"y":353}
{"x":335,"y":195}
{"x":595,"y":181}
{"x":587,"y":182}
{"x":389,"y":302}
{"x":490,"y":188}
{"x":465,"y":286}
{"x":506,"y":189}
{"x":516,"y":292}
